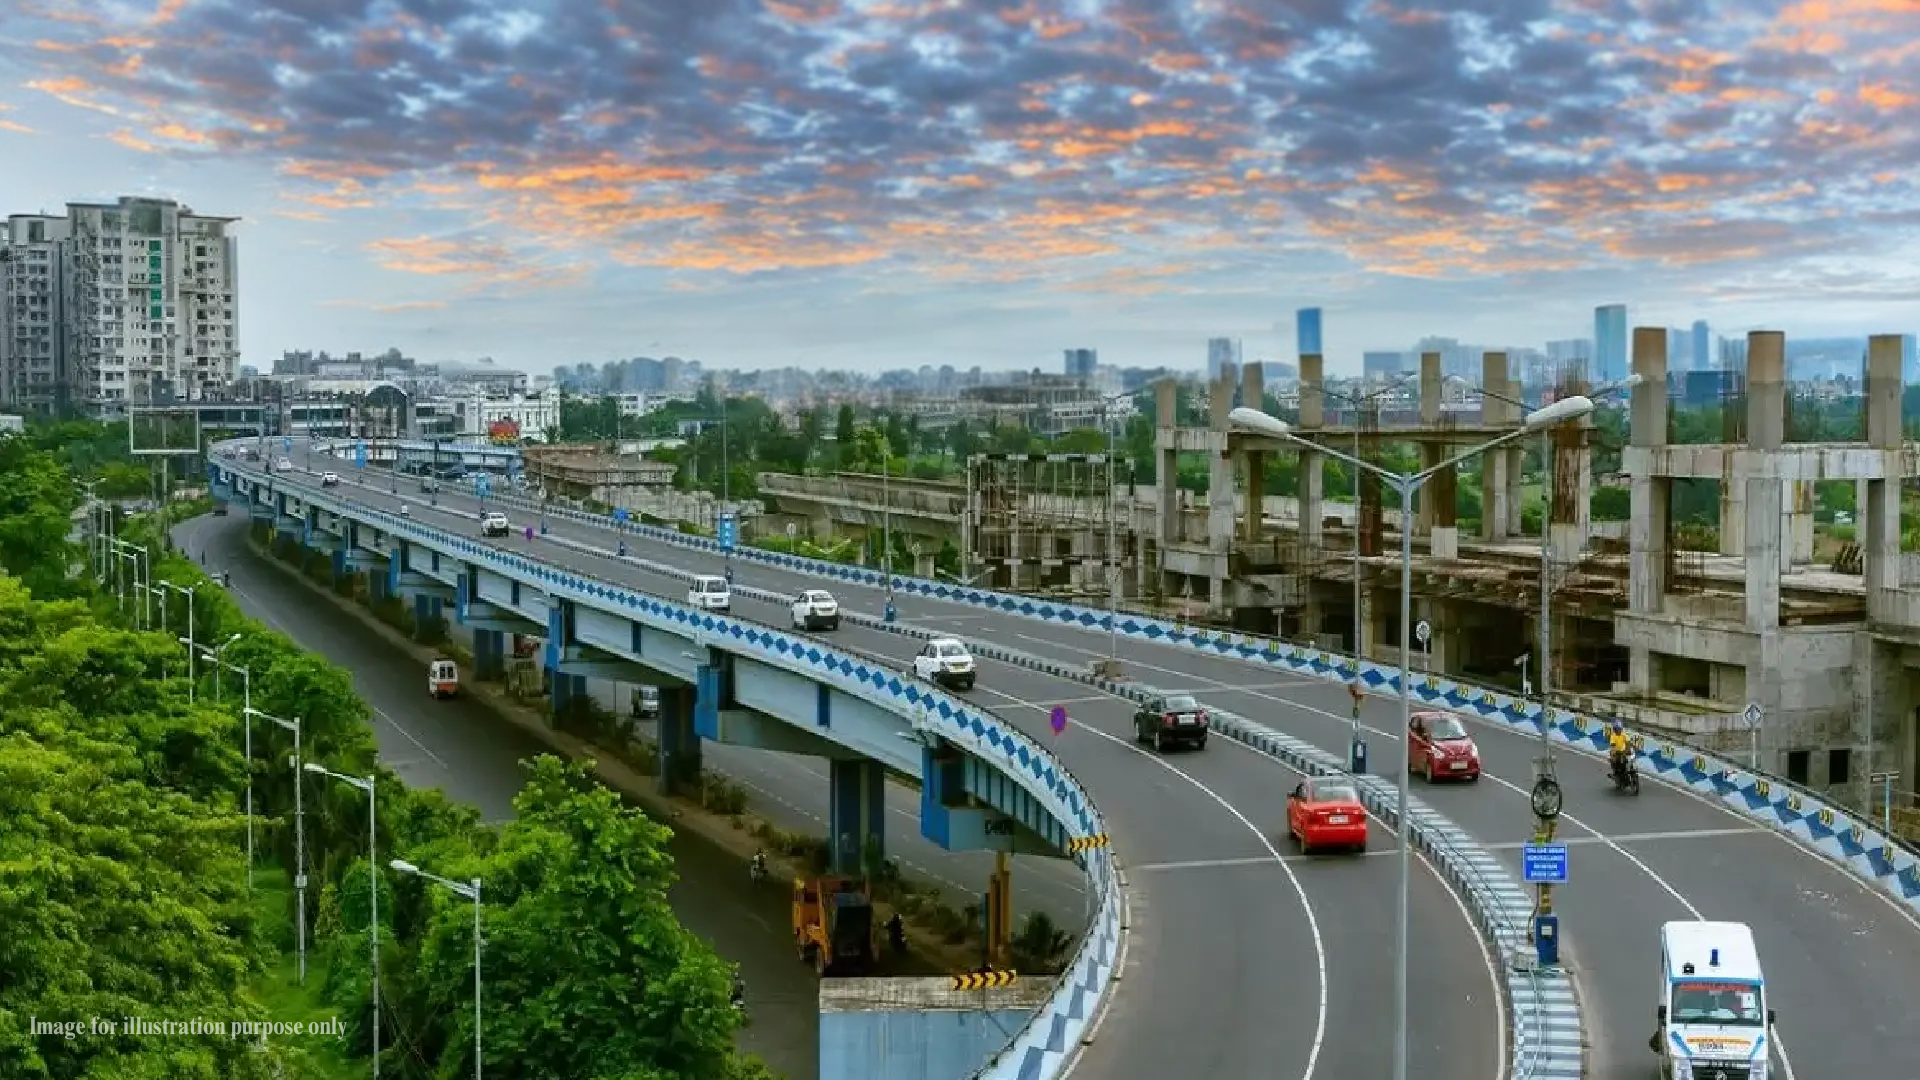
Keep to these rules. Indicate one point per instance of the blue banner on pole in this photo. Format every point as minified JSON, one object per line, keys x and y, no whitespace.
{"x":360,"y":454}
{"x":1544,"y":864}
{"x":725,"y":531}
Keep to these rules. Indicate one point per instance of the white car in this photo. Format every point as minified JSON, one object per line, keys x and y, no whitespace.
{"x":329,"y":479}
{"x":947,"y":662}
{"x":495,"y":525}
{"x":283,"y":465}
{"x":710,"y":593}
{"x":816,"y":608}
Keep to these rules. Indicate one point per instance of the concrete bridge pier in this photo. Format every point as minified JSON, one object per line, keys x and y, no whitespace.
{"x":489,"y":655}
{"x":856,"y":809}
{"x":679,"y":740}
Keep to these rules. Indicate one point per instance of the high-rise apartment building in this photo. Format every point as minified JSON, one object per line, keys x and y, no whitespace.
{"x":33,"y":356}
{"x":1609,"y":343}
{"x":140,"y":306}
{"x":1080,"y":363}
{"x":1382,"y":364}
{"x":1702,"y":347}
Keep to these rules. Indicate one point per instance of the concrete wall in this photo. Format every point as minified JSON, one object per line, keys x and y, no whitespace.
{"x":917,"y":1029}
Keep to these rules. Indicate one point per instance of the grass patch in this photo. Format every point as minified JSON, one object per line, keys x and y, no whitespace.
{"x":278,"y":989}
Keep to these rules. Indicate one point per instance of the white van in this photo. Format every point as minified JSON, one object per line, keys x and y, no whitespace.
{"x":443,"y":678}
{"x":1713,"y":1015}
{"x":710,"y":593}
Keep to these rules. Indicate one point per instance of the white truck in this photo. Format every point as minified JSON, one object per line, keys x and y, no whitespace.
{"x":1714,"y":1023}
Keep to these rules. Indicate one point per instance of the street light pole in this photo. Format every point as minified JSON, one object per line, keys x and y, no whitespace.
{"x":367,"y":784}
{"x":192,"y":667}
{"x":299,"y":843}
{"x":472,"y":892}
{"x":1260,"y":423}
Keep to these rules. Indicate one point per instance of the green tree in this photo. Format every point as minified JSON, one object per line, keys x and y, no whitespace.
{"x":606,"y":983}
{"x":37,"y":500}
{"x":843,"y":429}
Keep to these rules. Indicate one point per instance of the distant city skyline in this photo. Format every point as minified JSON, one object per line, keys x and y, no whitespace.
{"x":870,"y":187}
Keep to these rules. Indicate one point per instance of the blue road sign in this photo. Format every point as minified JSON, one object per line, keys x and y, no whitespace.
{"x":724,"y":530}
{"x":620,"y":513}
{"x":360,"y":454}
{"x":482,"y":485}
{"x":286,"y":443}
{"x":1544,"y":864}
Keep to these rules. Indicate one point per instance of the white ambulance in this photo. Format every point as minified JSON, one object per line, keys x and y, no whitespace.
{"x":1714,"y":1023}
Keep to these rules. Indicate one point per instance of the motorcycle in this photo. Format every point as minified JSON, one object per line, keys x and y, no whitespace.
{"x":757,"y":868}
{"x":1625,"y":775}
{"x":739,"y":999}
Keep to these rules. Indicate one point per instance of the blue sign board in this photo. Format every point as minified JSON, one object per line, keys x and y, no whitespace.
{"x":482,"y":485}
{"x":1544,"y":864}
{"x":286,"y":443}
{"x":725,"y":531}
{"x":620,"y":514}
{"x":360,"y":454}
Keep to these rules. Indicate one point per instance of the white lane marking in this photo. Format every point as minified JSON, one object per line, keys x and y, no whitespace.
{"x":1313,"y":923}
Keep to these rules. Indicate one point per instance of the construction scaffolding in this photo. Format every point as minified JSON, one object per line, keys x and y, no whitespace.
{"x":1043,"y":521}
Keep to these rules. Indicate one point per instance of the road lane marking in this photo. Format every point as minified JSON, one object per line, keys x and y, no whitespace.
{"x":1313,"y":923}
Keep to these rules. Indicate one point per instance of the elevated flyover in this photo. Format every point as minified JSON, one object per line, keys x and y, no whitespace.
{"x":1244,"y":960}
{"x":731,"y":679}
{"x":1832,"y":902}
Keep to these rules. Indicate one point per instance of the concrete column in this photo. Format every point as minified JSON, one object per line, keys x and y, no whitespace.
{"x":856,"y":811}
{"x":566,"y":688}
{"x":423,"y":615}
{"x":1879,"y":510}
{"x":1650,"y":532}
{"x":1797,"y":526}
{"x":377,"y":590}
{"x":1495,"y":487}
{"x":1424,"y":517}
{"x":1380,"y":605}
{"x":679,"y":742}
{"x":340,"y":566}
{"x":1220,"y":494}
{"x":1516,"y":488}
{"x":1166,"y":523}
{"x":1442,"y":651}
{"x":1312,"y":480}
{"x":1733,"y":517}
{"x":1766,"y":430}
{"x":1253,"y":393}
{"x":489,"y":654}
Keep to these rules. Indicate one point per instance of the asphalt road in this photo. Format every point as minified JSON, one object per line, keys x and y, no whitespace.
{"x":1845,"y":962}
{"x":433,"y":745}
{"x":1245,"y":961}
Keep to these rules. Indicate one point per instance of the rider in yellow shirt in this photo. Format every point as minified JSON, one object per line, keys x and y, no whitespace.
{"x":1619,"y":747}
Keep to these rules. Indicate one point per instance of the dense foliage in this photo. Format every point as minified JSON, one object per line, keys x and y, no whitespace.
{"x":124,"y":890}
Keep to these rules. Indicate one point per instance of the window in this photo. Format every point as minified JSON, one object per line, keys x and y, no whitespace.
{"x":1798,"y":762}
{"x":1839,"y":764}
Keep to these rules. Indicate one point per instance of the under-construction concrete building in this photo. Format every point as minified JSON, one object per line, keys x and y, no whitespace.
{"x":1677,"y":641}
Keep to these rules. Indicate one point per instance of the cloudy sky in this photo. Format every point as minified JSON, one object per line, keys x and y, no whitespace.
{"x":880,"y":183}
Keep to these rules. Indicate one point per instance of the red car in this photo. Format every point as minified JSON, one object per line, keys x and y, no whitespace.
{"x":1439,"y":748}
{"x":1326,"y":812}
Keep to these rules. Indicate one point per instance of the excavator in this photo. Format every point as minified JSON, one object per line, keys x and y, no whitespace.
{"x":833,"y":924}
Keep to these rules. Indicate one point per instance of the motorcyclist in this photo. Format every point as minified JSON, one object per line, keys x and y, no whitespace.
{"x":758,"y":867}
{"x":1619,"y":748}
{"x":897,"y":934}
{"x":739,"y":996}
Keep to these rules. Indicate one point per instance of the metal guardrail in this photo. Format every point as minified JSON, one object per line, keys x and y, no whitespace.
{"x":1052,"y":1037}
